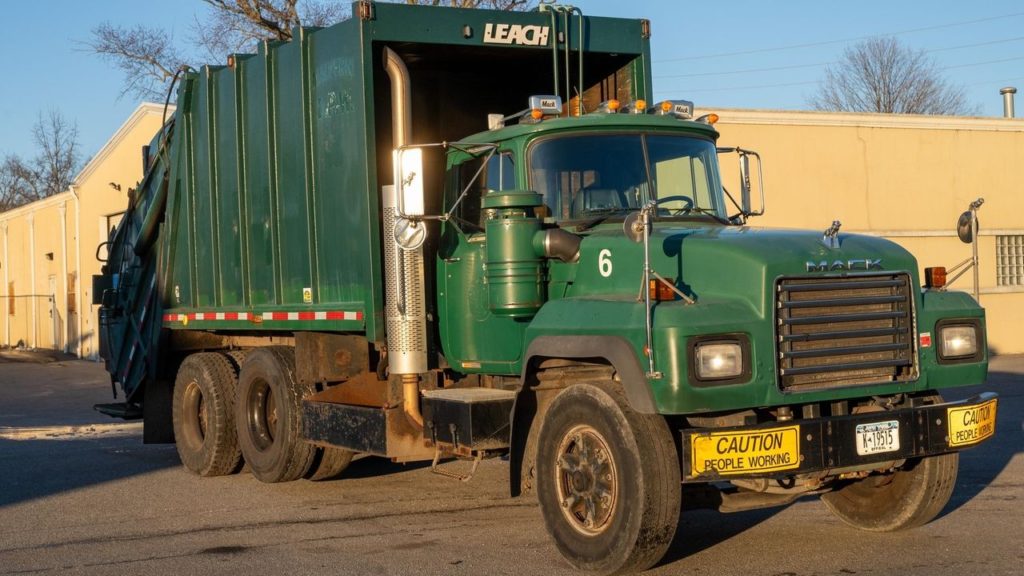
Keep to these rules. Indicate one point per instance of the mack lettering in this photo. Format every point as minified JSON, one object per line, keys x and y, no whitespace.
{"x":845,"y":265}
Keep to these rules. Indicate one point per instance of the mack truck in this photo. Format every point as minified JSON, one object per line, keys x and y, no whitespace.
{"x":437,"y":234}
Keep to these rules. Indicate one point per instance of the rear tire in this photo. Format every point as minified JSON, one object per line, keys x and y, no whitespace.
{"x":607,"y":480}
{"x":269,"y":416}
{"x":907,"y":498}
{"x":332,"y":462}
{"x":203,"y":415}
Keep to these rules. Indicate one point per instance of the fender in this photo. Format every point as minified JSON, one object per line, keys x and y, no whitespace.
{"x":615,"y":349}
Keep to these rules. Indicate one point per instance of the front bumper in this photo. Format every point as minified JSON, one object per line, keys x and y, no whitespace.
{"x":836,"y":444}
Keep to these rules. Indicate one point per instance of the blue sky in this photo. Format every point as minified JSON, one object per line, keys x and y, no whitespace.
{"x":739,"y":54}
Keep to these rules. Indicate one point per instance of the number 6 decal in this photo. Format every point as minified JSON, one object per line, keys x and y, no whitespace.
{"x":604,"y":262}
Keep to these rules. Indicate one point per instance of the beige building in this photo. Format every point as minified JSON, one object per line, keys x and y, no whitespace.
{"x":906,"y":178}
{"x":48,"y":247}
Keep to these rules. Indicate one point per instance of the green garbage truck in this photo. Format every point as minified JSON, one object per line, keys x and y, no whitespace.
{"x":428,"y":234}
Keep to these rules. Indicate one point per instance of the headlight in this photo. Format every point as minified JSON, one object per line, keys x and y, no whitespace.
{"x":719,"y":360}
{"x":958,"y":341}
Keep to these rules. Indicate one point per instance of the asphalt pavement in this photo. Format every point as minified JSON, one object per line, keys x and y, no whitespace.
{"x":81,"y":494}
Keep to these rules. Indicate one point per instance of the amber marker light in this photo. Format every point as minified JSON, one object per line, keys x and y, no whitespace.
{"x":639,"y":106}
{"x":661,"y":291}
{"x":614,"y":105}
{"x":935,"y":277}
{"x":536,"y":114}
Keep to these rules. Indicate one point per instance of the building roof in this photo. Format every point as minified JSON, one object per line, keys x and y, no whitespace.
{"x":144,"y":109}
{"x":864,"y":119}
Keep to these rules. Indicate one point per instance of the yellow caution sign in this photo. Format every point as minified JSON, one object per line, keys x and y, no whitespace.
{"x":972,"y":424}
{"x":747,"y":452}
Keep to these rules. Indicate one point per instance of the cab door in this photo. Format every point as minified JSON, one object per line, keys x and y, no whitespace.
{"x":473,"y":339}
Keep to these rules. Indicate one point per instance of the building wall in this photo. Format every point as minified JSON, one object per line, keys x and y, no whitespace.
{"x":36,"y":249}
{"x":121,"y":165}
{"x":48,"y":247}
{"x":906,"y":178}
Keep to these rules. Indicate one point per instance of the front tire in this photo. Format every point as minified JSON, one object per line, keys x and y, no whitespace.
{"x":607,"y":480}
{"x":203,"y":415}
{"x":269,"y":416}
{"x":909,"y":497}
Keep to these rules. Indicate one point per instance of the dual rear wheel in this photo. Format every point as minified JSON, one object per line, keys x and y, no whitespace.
{"x":230,"y":406}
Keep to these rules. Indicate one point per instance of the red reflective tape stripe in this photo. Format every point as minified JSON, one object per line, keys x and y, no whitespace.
{"x":305,"y":316}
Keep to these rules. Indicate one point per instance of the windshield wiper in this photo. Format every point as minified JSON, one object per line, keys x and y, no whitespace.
{"x":584,"y":226}
{"x":708,"y":212}
{"x":711,"y":213}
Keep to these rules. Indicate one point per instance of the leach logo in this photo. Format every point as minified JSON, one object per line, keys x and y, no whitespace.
{"x":516,"y":34}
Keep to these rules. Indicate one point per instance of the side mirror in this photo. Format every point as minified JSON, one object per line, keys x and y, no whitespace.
{"x":745,"y":205}
{"x":965,"y":227}
{"x":408,"y":163}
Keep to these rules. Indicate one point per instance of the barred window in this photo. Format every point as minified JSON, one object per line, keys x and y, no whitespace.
{"x":1010,"y":260}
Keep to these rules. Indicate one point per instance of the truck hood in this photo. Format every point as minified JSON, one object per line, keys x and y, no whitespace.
{"x":741,"y":262}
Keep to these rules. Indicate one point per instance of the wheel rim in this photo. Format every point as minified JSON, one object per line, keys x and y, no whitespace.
{"x":586,"y":480}
{"x":262,"y":415}
{"x":195,"y":409}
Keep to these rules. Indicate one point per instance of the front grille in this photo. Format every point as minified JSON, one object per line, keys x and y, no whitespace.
{"x":844,"y":331}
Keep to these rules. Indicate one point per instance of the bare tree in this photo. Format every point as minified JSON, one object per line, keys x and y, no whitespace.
{"x":57,"y":160}
{"x":884,"y":75}
{"x":237,"y":25}
{"x":148,"y":57}
{"x":50,"y":172}
{"x":18,"y":183}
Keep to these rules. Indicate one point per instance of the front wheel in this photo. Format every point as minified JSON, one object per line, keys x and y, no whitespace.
{"x":607,"y":480}
{"x":906,"y":498}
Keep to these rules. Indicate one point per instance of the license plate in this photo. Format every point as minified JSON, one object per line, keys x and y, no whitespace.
{"x":745,"y":452}
{"x":972,"y":424}
{"x":878,"y":437}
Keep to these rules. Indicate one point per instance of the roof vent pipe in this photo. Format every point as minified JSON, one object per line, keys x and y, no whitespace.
{"x":1008,"y":93}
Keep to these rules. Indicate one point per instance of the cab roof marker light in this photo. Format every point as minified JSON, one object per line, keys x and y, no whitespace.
{"x":548,"y":105}
{"x":710,"y":119}
{"x":638,"y":106}
{"x":538,"y":108}
{"x":682,"y":109}
{"x":611,"y":106}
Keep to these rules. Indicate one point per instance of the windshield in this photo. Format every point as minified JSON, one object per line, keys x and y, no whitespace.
{"x":588,"y":176}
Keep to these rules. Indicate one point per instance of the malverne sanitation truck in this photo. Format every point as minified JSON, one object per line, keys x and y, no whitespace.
{"x":425,"y":234}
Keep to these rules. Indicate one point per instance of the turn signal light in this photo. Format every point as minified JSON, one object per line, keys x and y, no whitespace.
{"x":935,"y":277}
{"x":661,"y":291}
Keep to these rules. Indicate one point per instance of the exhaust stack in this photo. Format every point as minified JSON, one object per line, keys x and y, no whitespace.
{"x":1008,"y":93}
{"x":405,"y":298}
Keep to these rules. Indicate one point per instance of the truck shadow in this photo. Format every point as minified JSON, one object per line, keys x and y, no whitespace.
{"x":37,"y":469}
{"x":980,"y":467}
